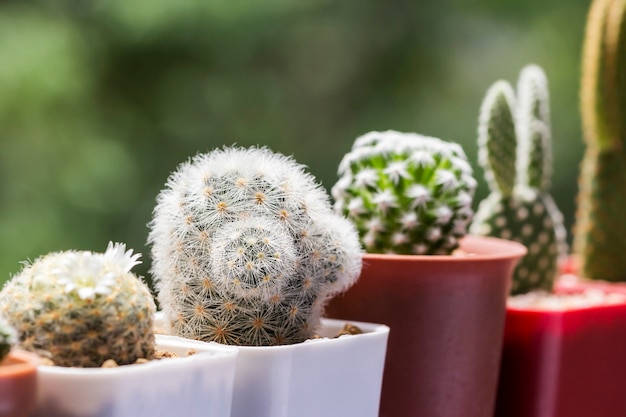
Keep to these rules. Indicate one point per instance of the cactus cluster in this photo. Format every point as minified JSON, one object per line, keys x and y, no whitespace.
{"x":515,"y":152}
{"x":246,"y":249}
{"x":80,"y":308}
{"x":8,"y":337}
{"x":600,"y":221}
{"x":406,"y":193}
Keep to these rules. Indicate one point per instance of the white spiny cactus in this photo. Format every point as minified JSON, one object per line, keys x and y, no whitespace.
{"x":246,"y":249}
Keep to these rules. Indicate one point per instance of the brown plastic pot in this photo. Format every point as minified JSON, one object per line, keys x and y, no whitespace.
{"x":446,"y":315}
{"x":18,"y":384}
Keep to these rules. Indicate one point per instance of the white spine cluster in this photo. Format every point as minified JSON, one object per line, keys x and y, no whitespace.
{"x":246,"y":249}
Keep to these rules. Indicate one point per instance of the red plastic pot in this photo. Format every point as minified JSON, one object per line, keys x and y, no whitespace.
{"x":18,"y":384}
{"x":446,"y":315}
{"x":567,"y":363}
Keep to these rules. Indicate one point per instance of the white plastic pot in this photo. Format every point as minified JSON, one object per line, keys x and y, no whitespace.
{"x":191,"y":386}
{"x":329,"y":377}
{"x":320,"y":377}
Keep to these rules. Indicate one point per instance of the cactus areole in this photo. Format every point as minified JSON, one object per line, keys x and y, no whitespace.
{"x":247,"y":250}
{"x":406,"y":193}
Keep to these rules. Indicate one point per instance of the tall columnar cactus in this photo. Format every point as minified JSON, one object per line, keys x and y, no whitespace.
{"x":247,"y":249}
{"x":81,"y":308}
{"x":406,"y":193}
{"x":601,"y":224}
{"x":515,"y":151}
{"x":8,"y":337}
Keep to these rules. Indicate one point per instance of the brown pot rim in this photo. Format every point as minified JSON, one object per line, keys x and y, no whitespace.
{"x":474,"y":248}
{"x":18,"y":362}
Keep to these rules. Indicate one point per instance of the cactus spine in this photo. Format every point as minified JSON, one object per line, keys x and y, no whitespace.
{"x":81,"y":308}
{"x":406,"y":193}
{"x":247,"y":249}
{"x":515,"y":153}
{"x":8,"y":337}
{"x":600,"y":221}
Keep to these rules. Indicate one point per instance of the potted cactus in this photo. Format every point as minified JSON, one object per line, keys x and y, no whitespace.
{"x":514,"y":146}
{"x":18,"y":375}
{"x":558,"y":335}
{"x":247,"y":251}
{"x":441,"y":292}
{"x":85,"y":311}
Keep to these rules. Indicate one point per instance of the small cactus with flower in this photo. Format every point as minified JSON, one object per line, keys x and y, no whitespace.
{"x":406,"y":193}
{"x":80,"y":308}
{"x":8,"y":337}
{"x":515,"y":153}
{"x":247,"y":250}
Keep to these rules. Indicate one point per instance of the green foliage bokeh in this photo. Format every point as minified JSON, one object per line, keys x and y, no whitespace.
{"x":100,"y":100}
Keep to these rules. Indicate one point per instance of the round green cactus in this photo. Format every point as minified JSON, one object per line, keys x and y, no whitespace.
{"x":515,"y":152}
{"x":81,"y":308}
{"x":406,"y":193}
{"x":8,"y":337}
{"x":247,"y":249}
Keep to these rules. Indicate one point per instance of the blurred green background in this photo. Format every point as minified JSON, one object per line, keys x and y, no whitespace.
{"x":100,"y":100}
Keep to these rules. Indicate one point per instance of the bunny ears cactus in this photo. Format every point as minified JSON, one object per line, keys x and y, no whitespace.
{"x":600,"y":221}
{"x":515,"y":152}
{"x":406,"y":193}
{"x":247,"y":249}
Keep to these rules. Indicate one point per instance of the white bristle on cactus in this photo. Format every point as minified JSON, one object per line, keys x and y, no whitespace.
{"x":247,"y":249}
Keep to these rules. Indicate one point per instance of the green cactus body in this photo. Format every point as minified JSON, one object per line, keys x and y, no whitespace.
{"x":8,"y":337}
{"x":406,"y":193}
{"x":600,"y":221}
{"x":514,"y":150}
{"x":80,"y":308}
{"x":247,"y":249}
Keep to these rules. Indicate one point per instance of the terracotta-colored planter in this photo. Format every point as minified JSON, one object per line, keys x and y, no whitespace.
{"x":565,"y":363}
{"x":18,"y":384}
{"x":446,"y":315}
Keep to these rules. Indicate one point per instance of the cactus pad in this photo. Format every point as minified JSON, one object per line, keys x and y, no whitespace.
{"x":514,"y":150}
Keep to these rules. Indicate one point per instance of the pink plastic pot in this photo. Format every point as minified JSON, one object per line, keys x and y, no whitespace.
{"x":446,"y":315}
